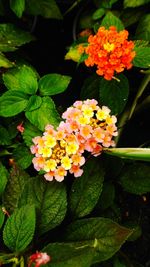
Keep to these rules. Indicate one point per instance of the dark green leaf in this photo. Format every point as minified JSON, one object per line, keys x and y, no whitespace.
{"x":17,"y":7}
{"x":112,"y":20}
{"x":53,"y":84}
{"x":15,"y":186}
{"x":46,"y":114}
{"x":135,"y":178}
{"x":45,"y":8}
{"x":4,"y":62}
{"x":2,"y":216}
{"x":19,"y":228}
{"x":3,"y":178}
{"x":143,"y":29}
{"x":4,"y":136}
{"x":11,"y":37}
{"x":135,"y":3}
{"x":34,"y":102}
{"x":12,"y":102}
{"x":98,"y":13}
{"x":114,"y":94}
{"x":86,"y":189}
{"x":140,"y":43}
{"x":131,"y":16}
{"x":104,"y":235}
{"x":90,"y":88}
{"x":142,"y":57}
{"x":105,"y":3}
{"x":22,"y":156}
{"x":22,"y":78}
{"x":50,"y":200}
{"x":107,"y":196}
{"x":30,"y":131}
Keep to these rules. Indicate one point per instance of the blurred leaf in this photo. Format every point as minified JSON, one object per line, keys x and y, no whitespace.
{"x":53,"y":84}
{"x":140,"y":43}
{"x":143,"y":29}
{"x":131,"y":16}
{"x":14,"y":187}
{"x":105,"y":3}
{"x":12,"y":102}
{"x":118,"y":263}
{"x":45,"y":114}
{"x":22,"y":156}
{"x":12,"y":37}
{"x":86,"y":189}
{"x":17,"y":7}
{"x":19,"y":228}
{"x":45,"y":8}
{"x":49,"y":199}
{"x":112,"y":20}
{"x":34,"y":102}
{"x":90,"y":88}
{"x":4,"y":62}
{"x":22,"y":78}
{"x":74,"y":53}
{"x":4,"y":136}
{"x":107,"y":196}
{"x":130,"y":153}
{"x":30,"y":131}
{"x":2,"y":217}
{"x":135,"y":178}
{"x":137,"y":231}
{"x":3,"y":178}
{"x":105,"y":236}
{"x":114,"y":94}
{"x":98,"y":13}
{"x":135,"y":3}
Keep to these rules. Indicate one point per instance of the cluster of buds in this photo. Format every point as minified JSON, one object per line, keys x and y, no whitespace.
{"x":38,"y":259}
{"x":86,"y":127}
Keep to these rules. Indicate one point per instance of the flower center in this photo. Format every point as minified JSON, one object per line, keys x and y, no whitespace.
{"x":109,"y":47}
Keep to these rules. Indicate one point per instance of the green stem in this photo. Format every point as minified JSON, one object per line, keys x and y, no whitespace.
{"x":22,"y":261}
{"x":72,"y":7}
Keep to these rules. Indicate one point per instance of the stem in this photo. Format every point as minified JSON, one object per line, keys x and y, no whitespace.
{"x":72,"y":7}
{"x":22,"y":261}
{"x":122,"y":122}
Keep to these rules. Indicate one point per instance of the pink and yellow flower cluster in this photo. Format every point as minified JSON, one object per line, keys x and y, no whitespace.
{"x":86,"y":127}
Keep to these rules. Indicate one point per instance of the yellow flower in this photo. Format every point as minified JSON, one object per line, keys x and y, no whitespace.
{"x":103,"y":113}
{"x":66,"y":163}
{"x":50,"y":165}
{"x":45,"y":151}
{"x":50,"y":141}
{"x":72,"y":148}
{"x":83,"y":120}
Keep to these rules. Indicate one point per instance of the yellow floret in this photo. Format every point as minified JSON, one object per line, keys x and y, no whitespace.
{"x":72,"y":148}
{"x":45,"y":151}
{"x":50,"y":165}
{"x":66,"y":163}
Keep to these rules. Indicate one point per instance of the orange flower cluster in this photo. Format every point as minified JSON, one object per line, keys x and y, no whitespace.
{"x":110,"y":51}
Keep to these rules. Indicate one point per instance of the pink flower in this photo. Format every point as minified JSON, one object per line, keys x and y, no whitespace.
{"x":20,"y":128}
{"x":39,"y":258}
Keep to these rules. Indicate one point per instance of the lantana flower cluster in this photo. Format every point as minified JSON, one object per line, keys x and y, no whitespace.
{"x":86,"y":127}
{"x":110,"y":51}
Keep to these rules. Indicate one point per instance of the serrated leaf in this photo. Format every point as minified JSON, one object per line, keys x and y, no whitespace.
{"x":12,"y":102}
{"x":140,"y":43}
{"x":2,"y":216}
{"x":17,"y":7}
{"x":90,"y":88}
{"x":114,"y":94}
{"x":53,"y":84}
{"x":34,"y":102}
{"x":135,"y":178}
{"x":49,"y":199}
{"x":30,"y":131}
{"x":22,"y":156}
{"x":142,"y":57}
{"x":86,"y":189}
{"x":131,"y":16}
{"x":111,"y":20}
{"x":14,"y":188}
{"x":3,"y":178}
{"x":12,"y":37}
{"x":22,"y":78}
{"x":143,"y":29}
{"x":104,"y":235}
{"x":19,"y":228}
{"x":4,"y":136}
{"x":4,"y":62}
{"x":135,"y":3}
{"x":98,"y":13}
{"x":45,"y":114}
{"x":45,"y":8}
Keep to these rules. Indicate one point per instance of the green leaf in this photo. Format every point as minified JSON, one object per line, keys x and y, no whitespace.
{"x":49,"y":199}
{"x":45,"y":8}
{"x":105,"y":3}
{"x":135,"y":178}
{"x":135,"y":3}
{"x":53,"y":84}
{"x":4,"y":136}
{"x":3,"y":178}
{"x":46,"y":114}
{"x":22,"y":78}
{"x":112,"y":20}
{"x":12,"y":37}
{"x":105,"y":236}
{"x":4,"y":62}
{"x":143,"y":29}
{"x":22,"y":156}
{"x":130,"y":153}
{"x":107,"y":196}
{"x":90,"y":88}
{"x":17,"y":7}
{"x":69,"y":254}
{"x":30,"y":131}
{"x":86,"y":189}
{"x":114,"y":94}
{"x":131,"y":16}
{"x":140,"y":43}
{"x":14,"y":187}
{"x":2,"y":217}
{"x":34,"y":102}
{"x":12,"y":102}
{"x":98,"y":13}
{"x":19,"y":229}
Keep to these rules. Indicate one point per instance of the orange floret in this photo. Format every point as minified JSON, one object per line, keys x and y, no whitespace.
{"x":110,"y":51}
